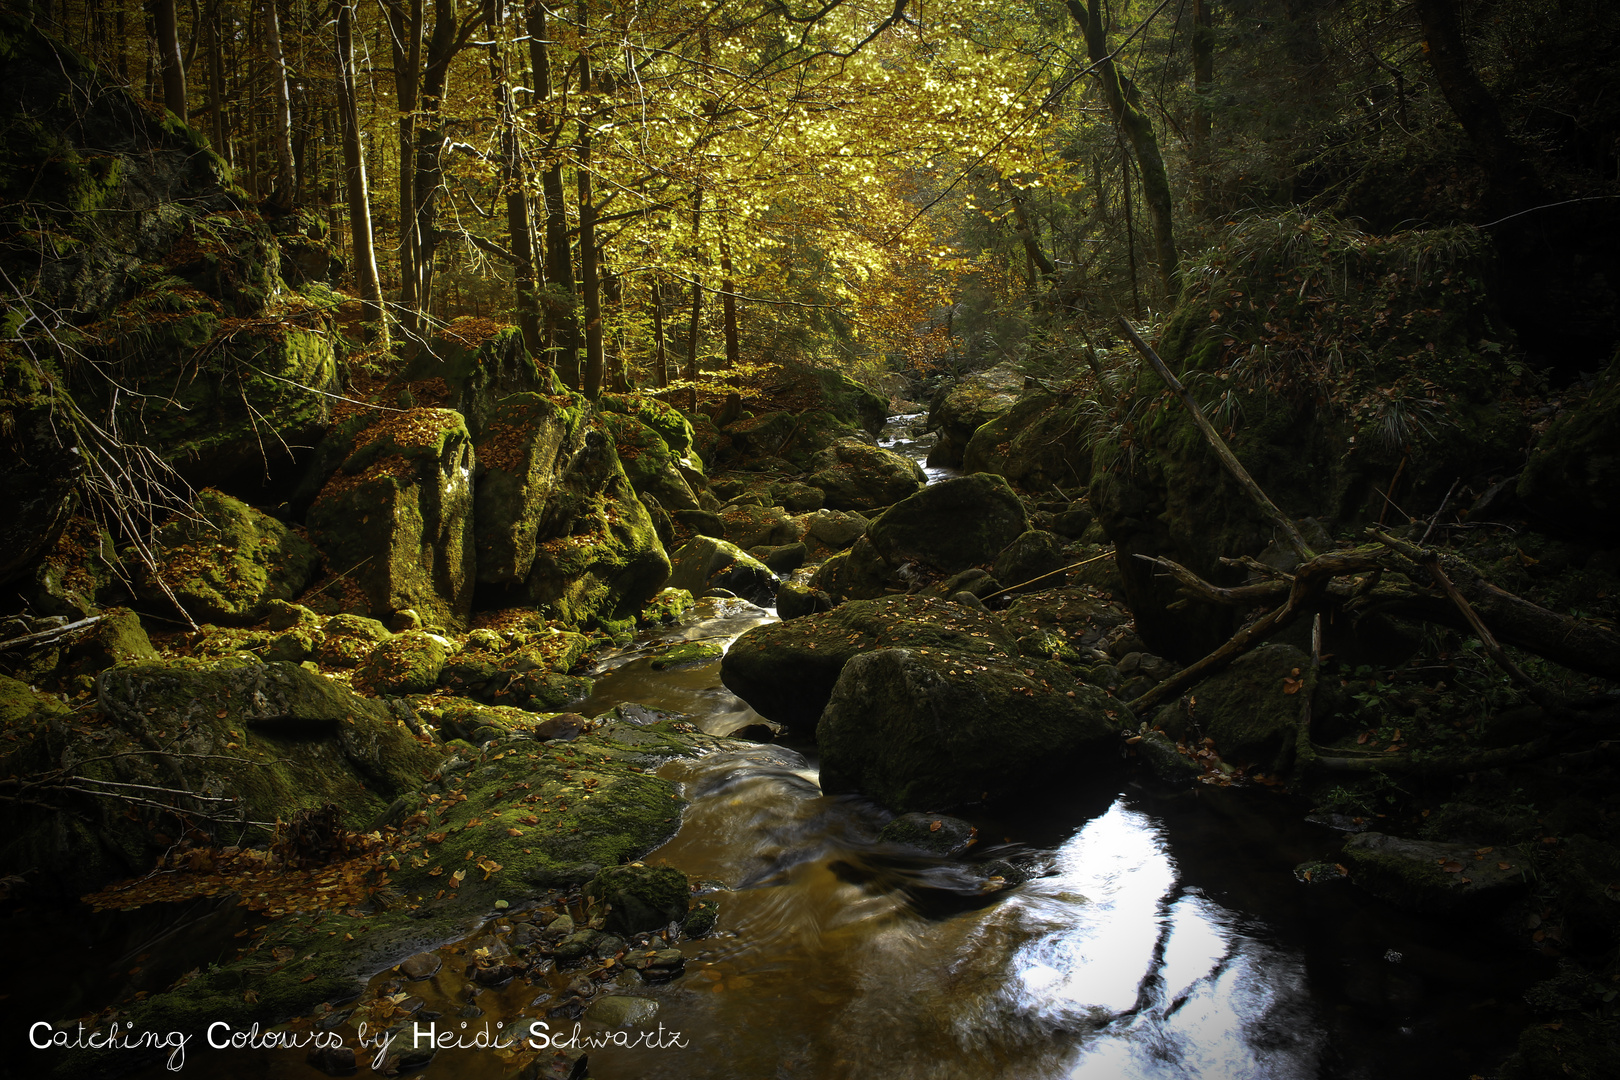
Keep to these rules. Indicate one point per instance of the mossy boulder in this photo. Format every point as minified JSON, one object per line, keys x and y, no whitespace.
{"x":523,"y":451}
{"x":858,"y":574}
{"x":958,"y":410}
{"x":786,"y":670}
{"x":225,"y":561}
{"x":951,"y":525}
{"x":529,"y":677}
{"x":407,"y":663}
{"x":1423,"y":875}
{"x":481,"y":362}
{"x":116,"y":638}
{"x":397,"y":517}
{"x":76,"y":575}
{"x":851,"y":401}
{"x":637,"y":897}
{"x":252,"y":742}
{"x":797,"y":498}
{"x":705,"y":564}
{"x":1032,"y":560}
{"x":687,"y":654}
{"x":759,"y":526}
{"x":856,"y":476}
{"x":794,"y":601}
{"x":1040,"y":443}
{"x":665,"y":420}
{"x":1075,"y":616}
{"x":1252,"y":710}
{"x":833,"y":530}
{"x":649,"y":462}
{"x":39,"y":464}
{"x":925,"y":731}
{"x":931,"y":834}
{"x":347,"y":640}
{"x":20,"y":702}
{"x":1572,"y":480}
{"x":598,"y":557}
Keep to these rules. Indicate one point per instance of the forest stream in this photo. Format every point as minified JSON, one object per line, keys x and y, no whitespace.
{"x":1161,"y":934}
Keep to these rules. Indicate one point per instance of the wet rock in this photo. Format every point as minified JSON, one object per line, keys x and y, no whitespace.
{"x":687,"y":654}
{"x":933,"y":834}
{"x":399,"y":512}
{"x":622,"y":1012}
{"x":951,"y":525}
{"x":563,"y":728}
{"x":705,"y":564}
{"x":421,"y":966}
{"x":786,"y":671}
{"x":1157,"y":751}
{"x":224,"y":561}
{"x":640,"y":897}
{"x":408,"y":663}
{"x":333,"y":1060}
{"x":1032,"y":560}
{"x":920,"y":731}
{"x":1434,"y":877}
{"x":856,"y":476}
{"x":700,"y":919}
{"x":794,"y":601}
{"x":657,"y":965}
{"x":576,"y":947}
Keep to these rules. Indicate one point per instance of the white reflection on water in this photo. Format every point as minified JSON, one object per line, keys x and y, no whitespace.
{"x":1173,"y":985}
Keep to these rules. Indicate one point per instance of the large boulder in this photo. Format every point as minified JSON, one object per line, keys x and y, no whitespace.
{"x":856,"y":476}
{"x":525,"y":445}
{"x":975,"y":399}
{"x":705,"y":564}
{"x":1032,"y":560}
{"x":1253,"y":709}
{"x":786,"y":671}
{"x":225,"y":562}
{"x":759,"y":526}
{"x":649,"y":462}
{"x":1572,"y":480}
{"x":39,"y":465}
{"x":858,"y":574}
{"x":397,"y":516}
{"x":598,"y":557}
{"x":1040,"y":443}
{"x":480,"y":362}
{"x":253,"y":743}
{"x":922,"y":730}
{"x":951,"y":525}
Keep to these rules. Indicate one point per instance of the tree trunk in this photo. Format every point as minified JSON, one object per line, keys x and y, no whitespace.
{"x":1512,"y":183}
{"x":167,"y":28}
{"x":514,"y":179}
{"x":283,"y":189}
{"x":660,"y":357}
{"x":442,"y":47}
{"x":1122,"y":103}
{"x":1203,"y":50}
{"x":216,"y":81}
{"x":359,"y":198}
{"x":728,"y":303}
{"x":692,"y":330}
{"x":405,"y":32}
{"x":589,"y":283}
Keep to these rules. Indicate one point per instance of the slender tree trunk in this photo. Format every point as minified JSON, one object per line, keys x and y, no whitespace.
{"x":1121,"y":95}
{"x":514,"y":179}
{"x":1026,"y":232}
{"x":588,"y":279}
{"x":166,"y":26}
{"x":660,"y":358}
{"x":692,"y":330}
{"x":359,"y":198}
{"x":728,"y":303}
{"x":216,"y":81}
{"x":285,"y":186}
{"x":1130,"y":228}
{"x":442,"y":46}
{"x":405,"y":35}
{"x":1203,"y":50}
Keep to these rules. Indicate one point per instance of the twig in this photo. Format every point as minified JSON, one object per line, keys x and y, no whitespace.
{"x":40,"y":636}
{"x":1443,"y":503}
{"x":1267,"y":508}
{"x":1054,"y":573}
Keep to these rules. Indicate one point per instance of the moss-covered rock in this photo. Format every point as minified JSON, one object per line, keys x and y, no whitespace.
{"x":755,"y":526}
{"x":827,"y":531}
{"x":706,"y":564}
{"x":39,"y":464}
{"x":1253,"y":709}
{"x":1423,"y":875}
{"x":481,"y":362}
{"x":932,"y":834}
{"x":637,"y":897}
{"x":859,"y":574}
{"x":523,"y":450}
{"x":1032,"y":560}
{"x":407,"y":663}
{"x":225,"y":562}
{"x":687,"y":654}
{"x":1572,"y":479}
{"x":20,"y":702}
{"x":347,"y":640}
{"x":922,"y":730}
{"x":397,"y":517}
{"x":651,"y":463}
{"x":855,"y":476}
{"x":958,"y":410}
{"x":664,"y":419}
{"x":1039,"y":443}
{"x":794,"y":601}
{"x":951,"y":525}
{"x":851,"y":401}
{"x":786,"y":671}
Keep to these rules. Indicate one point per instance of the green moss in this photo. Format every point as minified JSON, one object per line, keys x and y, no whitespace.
{"x":687,"y":654}
{"x":20,"y":702}
{"x":663,"y":419}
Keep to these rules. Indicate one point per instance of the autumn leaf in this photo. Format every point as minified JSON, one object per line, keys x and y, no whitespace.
{"x":460,"y":875}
